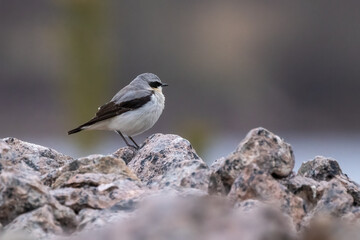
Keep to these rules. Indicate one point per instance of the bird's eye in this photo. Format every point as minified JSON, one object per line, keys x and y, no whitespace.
{"x":155,"y":84}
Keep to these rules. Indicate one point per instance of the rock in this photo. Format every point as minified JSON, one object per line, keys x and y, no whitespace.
{"x":44,"y":222}
{"x":20,"y":193}
{"x":15,"y":236}
{"x":254,"y":183}
{"x":95,"y":219}
{"x":352,"y":216}
{"x":326,"y":169}
{"x":198,"y":218}
{"x":18,"y":155}
{"x":95,"y":181}
{"x":266,"y":222}
{"x":167,"y":192}
{"x":334,"y":202}
{"x":260,"y":147}
{"x":320,"y":169}
{"x":93,"y":170}
{"x":326,"y":191}
{"x":26,"y":205}
{"x":249,"y":205}
{"x":100,"y":197}
{"x":352,"y":188}
{"x":305,"y":188}
{"x":125,"y":153}
{"x":330,"y":228}
{"x":169,"y":160}
{"x":98,"y":219}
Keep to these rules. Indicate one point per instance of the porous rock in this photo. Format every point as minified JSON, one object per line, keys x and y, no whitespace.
{"x":261,"y":147}
{"x":169,"y":160}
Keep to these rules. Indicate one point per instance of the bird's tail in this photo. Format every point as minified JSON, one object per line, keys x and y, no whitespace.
{"x":81,"y":127}
{"x":75,"y":130}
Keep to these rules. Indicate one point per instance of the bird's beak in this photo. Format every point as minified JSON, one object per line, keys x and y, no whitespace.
{"x":164,"y":85}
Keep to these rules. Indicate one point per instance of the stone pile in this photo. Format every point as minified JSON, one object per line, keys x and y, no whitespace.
{"x":166,"y":191}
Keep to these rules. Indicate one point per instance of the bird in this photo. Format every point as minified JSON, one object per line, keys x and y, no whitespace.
{"x":132,"y":111}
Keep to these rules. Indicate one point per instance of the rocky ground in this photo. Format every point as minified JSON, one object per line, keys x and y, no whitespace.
{"x":166,"y":191}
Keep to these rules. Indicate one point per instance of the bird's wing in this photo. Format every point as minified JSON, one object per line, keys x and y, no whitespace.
{"x":116,"y":107}
{"x":130,"y":92}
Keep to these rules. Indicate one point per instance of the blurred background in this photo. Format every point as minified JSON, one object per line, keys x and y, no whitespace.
{"x":292,"y":67}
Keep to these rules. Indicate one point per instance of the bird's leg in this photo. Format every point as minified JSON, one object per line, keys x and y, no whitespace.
{"x":128,"y":144}
{"x":134,"y":142}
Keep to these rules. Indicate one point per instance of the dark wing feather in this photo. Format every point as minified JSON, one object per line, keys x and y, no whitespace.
{"x":112,"y":109}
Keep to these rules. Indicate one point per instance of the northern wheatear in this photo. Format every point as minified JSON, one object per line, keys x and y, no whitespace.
{"x":133,"y":110}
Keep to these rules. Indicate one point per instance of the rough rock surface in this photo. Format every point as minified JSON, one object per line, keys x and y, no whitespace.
{"x":261,"y":147}
{"x":320,"y":169}
{"x":169,"y":160}
{"x":19,"y":193}
{"x":27,"y":205}
{"x":92,"y":170}
{"x":166,"y":191}
{"x":19,"y":155}
{"x":95,"y":182}
{"x":254,"y":183}
{"x":97,"y":219}
{"x":45,"y":221}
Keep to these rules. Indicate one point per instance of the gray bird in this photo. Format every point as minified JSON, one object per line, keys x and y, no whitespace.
{"x":133,"y":110}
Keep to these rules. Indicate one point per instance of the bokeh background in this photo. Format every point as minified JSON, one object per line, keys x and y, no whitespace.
{"x":289,"y":66}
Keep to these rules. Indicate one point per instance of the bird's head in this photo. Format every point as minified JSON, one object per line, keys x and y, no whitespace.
{"x":150,"y":80}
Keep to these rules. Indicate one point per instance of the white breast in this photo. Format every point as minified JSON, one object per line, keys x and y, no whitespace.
{"x":139,"y":120}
